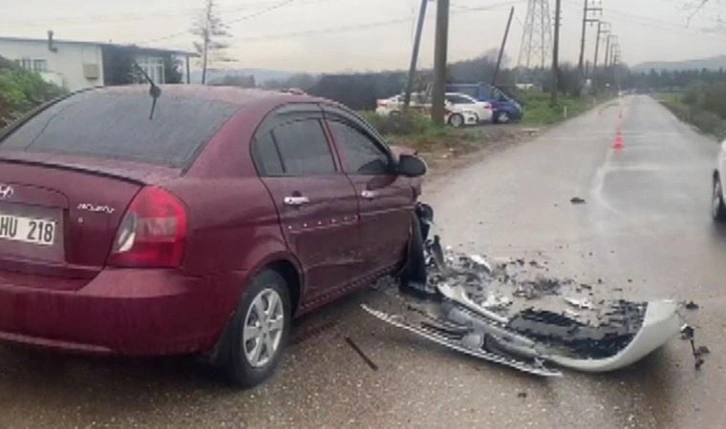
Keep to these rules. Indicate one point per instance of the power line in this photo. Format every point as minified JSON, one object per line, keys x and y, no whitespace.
{"x":362,"y":26}
{"x":272,"y":8}
{"x":279,"y":5}
{"x":131,"y":16}
{"x":655,"y":23}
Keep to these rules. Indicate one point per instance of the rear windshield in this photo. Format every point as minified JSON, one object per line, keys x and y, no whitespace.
{"x":113,"y":125}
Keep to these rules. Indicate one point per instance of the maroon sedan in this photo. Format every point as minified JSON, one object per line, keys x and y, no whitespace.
{"x":204,"y":227}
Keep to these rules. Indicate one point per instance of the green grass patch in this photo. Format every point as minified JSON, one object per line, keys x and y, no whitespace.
{"x":706,"y":121}
{"x":539,"y":111}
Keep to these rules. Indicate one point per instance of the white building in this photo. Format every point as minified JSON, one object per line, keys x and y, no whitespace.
{"x":77,"y":65}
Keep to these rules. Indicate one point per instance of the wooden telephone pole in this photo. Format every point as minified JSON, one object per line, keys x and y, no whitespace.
{"x":555,"y":54}
{"x":414,"y":54}
{"x":438,"y":111}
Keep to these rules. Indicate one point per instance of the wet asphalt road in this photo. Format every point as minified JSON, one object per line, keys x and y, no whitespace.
{"x":645,"y":229}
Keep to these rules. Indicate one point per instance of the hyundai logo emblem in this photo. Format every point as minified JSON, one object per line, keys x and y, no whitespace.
{"x":6,"y":191}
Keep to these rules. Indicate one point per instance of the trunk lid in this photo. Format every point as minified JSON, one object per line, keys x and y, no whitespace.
{"x":61,"y":214}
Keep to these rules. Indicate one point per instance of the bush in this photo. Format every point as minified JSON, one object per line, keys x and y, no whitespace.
{"x":399,"y":124}
{"x":21,"y":91}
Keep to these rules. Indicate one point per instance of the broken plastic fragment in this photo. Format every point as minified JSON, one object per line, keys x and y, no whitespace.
{"x":691,"y":306}
{"x":496,"y":302}
{"x":571,"y":313}
{"x":582,"y":304}
{"x":479,"y":260}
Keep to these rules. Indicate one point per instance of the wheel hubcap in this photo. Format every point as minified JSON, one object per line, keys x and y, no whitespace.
{"x":263,"y":327}
{"x":456,"y":121}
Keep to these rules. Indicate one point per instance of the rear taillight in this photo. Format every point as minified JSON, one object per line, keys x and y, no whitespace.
{"x":152,"y":233}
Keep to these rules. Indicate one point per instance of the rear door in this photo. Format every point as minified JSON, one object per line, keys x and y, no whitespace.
{"x":386,"y":200}
{"x":316,"y":203}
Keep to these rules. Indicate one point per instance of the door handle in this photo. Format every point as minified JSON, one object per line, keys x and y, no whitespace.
{"x":296,"y":201}
{"x":369,"y":195}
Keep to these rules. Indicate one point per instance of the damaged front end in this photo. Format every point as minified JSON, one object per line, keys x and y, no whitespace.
{"x":444,"y":299}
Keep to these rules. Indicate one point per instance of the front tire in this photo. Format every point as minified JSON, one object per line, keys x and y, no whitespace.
{"x":718,"y":208}
{"x":259,"y":330}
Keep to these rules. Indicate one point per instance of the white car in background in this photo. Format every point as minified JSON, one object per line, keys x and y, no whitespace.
{"x":718,"y":207}
{"x":460,"y":109}
{"x":394,"y":105}
{"x":459,"y":102}
{"x":457,"y":117}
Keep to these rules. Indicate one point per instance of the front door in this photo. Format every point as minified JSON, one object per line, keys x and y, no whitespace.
{"x":316,"y":203}
{"x":386,"y":200}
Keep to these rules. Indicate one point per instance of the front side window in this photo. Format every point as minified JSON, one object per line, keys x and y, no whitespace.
{"x":364,"y":155}
{"x":303,"y":148}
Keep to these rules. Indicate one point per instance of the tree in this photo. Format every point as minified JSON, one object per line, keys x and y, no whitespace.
{"x":211,"y":31}
{"x":172,"y":69}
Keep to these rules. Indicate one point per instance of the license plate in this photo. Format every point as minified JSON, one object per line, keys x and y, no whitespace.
{"x":27,"y":230}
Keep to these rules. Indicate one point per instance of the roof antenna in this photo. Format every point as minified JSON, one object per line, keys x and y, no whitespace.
{"x":154,"y":90}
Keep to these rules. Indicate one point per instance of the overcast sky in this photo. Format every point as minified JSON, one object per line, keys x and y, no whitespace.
{"x":346,"y":35}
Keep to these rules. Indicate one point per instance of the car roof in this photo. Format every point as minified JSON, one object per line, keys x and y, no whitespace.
{"x":461,"y":94}
{"x":226,"y":94}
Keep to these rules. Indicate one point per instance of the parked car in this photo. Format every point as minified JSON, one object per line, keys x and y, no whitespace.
{"x":505,"y":109}
{"x":718,"y":207}
{"x":482,"y":109}
{"x":203,"y":228}
{"x":394,"y":105}
{"x":462,"y":112}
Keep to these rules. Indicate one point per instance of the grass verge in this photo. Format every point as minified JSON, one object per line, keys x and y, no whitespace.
{"x":705,"y":121}
{"x":539,"y":111}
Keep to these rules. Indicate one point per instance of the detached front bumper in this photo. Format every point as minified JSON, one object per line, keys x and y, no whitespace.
{"x":121,"y":311}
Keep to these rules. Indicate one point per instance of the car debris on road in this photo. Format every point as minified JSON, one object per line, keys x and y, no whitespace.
{"x":454,"y":308}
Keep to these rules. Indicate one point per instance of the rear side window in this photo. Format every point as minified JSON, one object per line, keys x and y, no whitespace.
{"x":115,"y":125}
{"x":364,"y":156}
{"x":266,"y":156}
{"x":303,"y":148}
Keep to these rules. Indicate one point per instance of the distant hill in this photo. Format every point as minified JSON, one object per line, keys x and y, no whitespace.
{"x":713,"y":63}
{"x":261,"y":75}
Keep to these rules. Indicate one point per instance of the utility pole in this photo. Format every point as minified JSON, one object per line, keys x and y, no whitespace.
{"x":501,"y":49}
{"x":442,"y":40}
{"x":555,"y":54}
{"x":414,"y":54}
{"x":600,"y":31}
{"x":585,"y":20}
{"x":607,"y":50}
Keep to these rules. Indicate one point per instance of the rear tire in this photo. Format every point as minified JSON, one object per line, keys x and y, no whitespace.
{"x":501,"y":118}
{"x":456,"y":120}
{"x":259,"y":330}
{"x":718,"y":208}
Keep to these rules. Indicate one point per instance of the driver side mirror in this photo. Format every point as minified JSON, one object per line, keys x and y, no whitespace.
{"x":411,"y":166}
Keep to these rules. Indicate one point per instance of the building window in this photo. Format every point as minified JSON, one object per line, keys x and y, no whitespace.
{"x":33,"y":65}
{"x":25,"y":63}
{"x":154,"y":67}
{"x":40,"y":65}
